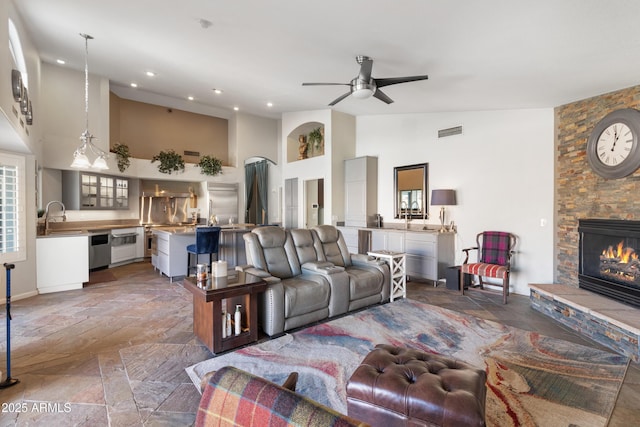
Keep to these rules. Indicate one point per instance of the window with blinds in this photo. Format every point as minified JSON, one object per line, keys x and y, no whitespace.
{"x":12,"y":229}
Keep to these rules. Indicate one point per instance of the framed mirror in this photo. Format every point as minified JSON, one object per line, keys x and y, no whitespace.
{"x":411,"y":190}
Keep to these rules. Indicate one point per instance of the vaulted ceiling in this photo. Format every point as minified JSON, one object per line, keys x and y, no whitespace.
{"x":479,"y":55}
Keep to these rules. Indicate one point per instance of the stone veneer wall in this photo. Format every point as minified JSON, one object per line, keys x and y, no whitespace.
{"x":579,"y":192}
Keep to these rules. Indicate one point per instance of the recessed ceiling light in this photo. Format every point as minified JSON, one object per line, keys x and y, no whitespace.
{"x":61,"y":61}
{"x":134,"y":84}
{"x":190,"y":98}
{"x":217,"y":91}
{"x":236,"y":108}
{"x":269,"y":104}
{"x":150,"y":73}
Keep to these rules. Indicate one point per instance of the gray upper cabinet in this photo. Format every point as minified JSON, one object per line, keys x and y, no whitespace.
{"x":361,"y":191}
{"x":88,"y":190}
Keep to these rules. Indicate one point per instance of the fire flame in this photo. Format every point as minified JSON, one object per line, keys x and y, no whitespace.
{"x":624,"y":255}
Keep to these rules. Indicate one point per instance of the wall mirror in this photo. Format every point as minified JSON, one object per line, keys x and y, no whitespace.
{"x":411,"y":189}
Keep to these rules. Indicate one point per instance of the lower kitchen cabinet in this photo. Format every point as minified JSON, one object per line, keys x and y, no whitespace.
{"x":429,"y":253}
{"x":171,"y":253}
{"x":62,"y":263}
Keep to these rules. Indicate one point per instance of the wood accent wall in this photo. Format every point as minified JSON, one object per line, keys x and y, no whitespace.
{"x":148,"y":129}
{"x":579,"y":192}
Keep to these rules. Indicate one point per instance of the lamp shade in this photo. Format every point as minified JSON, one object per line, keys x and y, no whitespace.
{"x":443,"y":197}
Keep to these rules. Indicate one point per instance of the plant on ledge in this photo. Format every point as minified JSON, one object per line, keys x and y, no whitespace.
{"x":123,"y":155}
{"x":210,"y":165}
{"x":169,"y":161}
{"x":315,"y":137}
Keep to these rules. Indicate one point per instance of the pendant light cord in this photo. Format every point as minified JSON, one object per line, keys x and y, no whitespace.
{"x":87,"y":37}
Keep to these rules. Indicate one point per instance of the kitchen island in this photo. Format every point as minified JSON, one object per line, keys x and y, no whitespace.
{"x":169,"y":250}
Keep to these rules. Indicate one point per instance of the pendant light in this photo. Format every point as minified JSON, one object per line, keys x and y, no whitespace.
{"x":80,"y":159}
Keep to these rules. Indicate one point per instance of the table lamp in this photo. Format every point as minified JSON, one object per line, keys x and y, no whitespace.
{"x":443,"y":198}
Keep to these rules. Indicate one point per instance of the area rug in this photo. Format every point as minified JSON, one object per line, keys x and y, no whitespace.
{"x":532,"y":380}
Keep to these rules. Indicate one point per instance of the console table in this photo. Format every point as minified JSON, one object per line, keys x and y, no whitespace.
{"x":397,"y":262}
{"x":208,"y":301}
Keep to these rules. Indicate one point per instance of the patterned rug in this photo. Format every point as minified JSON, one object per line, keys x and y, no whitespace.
{"x":532,"y":380}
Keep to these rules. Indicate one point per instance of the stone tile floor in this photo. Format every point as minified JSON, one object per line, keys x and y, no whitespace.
{"x":114,"y":353}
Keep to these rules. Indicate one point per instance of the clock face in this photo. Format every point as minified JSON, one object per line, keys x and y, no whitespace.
{"x":613,"y":149}
{"x":614,"y":144}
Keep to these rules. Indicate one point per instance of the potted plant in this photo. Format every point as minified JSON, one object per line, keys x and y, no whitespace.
{"x":169,"y":161}
{"x":210,"y":165}
{"x":122,"y":155}
{"x":315,"y":137}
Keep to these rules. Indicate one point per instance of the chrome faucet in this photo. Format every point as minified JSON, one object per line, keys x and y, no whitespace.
{"x":46,"y":214}
{"x":405,"y":206}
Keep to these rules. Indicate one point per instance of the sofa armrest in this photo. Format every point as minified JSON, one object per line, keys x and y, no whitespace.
{"x":365,"y":260}
{"x":322,"y":267}
{"x":256,"y":272}
{"x":338,"y":281}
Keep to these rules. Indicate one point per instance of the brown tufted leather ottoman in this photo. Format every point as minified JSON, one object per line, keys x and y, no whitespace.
{"x":404,"y":387}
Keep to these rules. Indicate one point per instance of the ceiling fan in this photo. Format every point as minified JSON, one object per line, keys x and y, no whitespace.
{"x":363,"y":86}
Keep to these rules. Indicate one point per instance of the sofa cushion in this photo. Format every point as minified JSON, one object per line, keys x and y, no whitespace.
{"x":303,"y":295}
{"x":271,"y":252}
{"x":304,"y":244}
{"x":332,"y":245}
{"x":364,"y":282}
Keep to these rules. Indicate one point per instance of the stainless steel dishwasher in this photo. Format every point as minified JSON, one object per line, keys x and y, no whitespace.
{"x":99,"y":250}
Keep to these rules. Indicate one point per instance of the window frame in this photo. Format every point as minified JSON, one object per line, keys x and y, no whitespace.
{"x":19,"y":203}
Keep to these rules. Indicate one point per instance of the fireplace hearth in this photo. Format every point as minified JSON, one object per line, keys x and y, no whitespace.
{"x":609,"y":258}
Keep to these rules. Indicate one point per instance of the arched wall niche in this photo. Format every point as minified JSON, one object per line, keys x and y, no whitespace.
{"x":300,"y":145}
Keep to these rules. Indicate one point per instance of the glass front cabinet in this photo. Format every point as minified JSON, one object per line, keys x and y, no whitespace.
{"x":88,"y":190}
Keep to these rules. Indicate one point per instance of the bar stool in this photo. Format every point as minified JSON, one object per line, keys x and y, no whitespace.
{"x":207,"y":239}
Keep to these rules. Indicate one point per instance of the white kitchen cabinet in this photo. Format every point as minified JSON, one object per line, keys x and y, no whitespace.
{"x":62,"y":263}
{"x":171,"y":253}
{"x":429,"y":254}
{"x":350,"y":235}
{"x":389,"y":240}
{"x":360,"y":191}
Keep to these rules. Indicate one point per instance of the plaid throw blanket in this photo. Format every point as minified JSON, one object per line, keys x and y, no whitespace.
{"x":495,"y":247}
{"x":234,"y":397}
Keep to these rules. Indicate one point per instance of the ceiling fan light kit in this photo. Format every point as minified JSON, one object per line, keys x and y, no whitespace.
{"x":364,"y":86}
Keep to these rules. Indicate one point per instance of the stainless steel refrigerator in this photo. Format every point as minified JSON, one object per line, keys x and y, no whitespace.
{"x":223,"y":203}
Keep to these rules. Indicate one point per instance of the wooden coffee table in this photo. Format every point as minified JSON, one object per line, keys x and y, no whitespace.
{"x":208,"y":301}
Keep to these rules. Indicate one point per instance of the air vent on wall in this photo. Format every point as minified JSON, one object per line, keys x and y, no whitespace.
{"x":457,"y":130}
{"x":192,"y":153}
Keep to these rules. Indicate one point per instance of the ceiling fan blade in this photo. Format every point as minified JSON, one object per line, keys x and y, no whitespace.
{"x":366,"y":64}
{"x":382,"y":96}
{"x":396,"y":80}
{"x":325,"y":84}
{"x":340,"y":98}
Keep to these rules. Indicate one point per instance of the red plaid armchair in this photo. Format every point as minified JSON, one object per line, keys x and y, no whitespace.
{"x":494,"y":259}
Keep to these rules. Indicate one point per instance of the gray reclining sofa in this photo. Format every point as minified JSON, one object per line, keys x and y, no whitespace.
{"x":311,"y":276}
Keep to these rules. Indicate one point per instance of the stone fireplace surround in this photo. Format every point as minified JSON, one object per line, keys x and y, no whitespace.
{"x":580,"y":193}
{"x":605,"y":321}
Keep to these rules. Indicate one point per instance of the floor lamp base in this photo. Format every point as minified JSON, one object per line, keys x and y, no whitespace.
{"x":9,"y":382}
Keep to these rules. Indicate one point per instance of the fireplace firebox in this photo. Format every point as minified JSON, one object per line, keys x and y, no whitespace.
{"x":609,"y":258}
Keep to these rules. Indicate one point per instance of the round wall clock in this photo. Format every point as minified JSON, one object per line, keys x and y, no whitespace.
{"x":612,"y":148}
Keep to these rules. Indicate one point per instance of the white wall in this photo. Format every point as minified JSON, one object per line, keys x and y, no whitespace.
{"x":18,"y":138}
{"x":502,"y":168}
